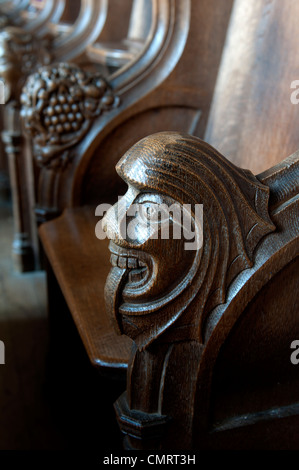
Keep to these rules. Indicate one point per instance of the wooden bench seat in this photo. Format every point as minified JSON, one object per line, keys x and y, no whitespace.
{"x":81,"y":268}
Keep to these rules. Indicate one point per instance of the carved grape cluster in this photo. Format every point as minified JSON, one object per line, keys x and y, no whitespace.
{"x":59,"y":104}
{"x":63,"y":114}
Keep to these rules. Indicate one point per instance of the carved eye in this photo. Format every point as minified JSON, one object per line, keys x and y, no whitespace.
{"x":152,"y":212}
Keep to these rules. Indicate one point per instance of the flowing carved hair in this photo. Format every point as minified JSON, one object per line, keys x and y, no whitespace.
{"x":235,"y":213}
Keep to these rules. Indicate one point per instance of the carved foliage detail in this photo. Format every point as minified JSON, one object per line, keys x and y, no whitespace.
{"x":59,"y":104}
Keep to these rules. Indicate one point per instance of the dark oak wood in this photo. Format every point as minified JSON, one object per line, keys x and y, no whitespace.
{"x":210,"y":362}
{"x":105,"y":350}
{"x":214,"y":372}
{"x":160,"y":88}
{"x":47,"y":395}
{"x":212,"y":327}
{"x":20,"y":53}
{"x":26,"y":42}
{"x":252,"y":120}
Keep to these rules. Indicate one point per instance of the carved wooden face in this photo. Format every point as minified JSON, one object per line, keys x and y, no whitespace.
{"x":154,"y":280}
{"x":151,"y":266}
{"x":147,"y":247}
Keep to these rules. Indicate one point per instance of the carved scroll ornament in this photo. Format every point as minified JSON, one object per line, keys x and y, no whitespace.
{"x":155,"y":283}
{"x":59,"y":104}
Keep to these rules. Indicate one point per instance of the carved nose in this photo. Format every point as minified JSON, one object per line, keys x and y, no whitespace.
{"x":114,"y":223}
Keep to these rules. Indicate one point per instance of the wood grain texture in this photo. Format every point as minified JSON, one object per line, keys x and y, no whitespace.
{"x":227,"y":384}
{"x":190,"y":313}
{"x":161,"y":88}
{"x":252,"y":120}
{"x":183,"y":308}
{"x":85,"y":263}
{"x":32,"y":40}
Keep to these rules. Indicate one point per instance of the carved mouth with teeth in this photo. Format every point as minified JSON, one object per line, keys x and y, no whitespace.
{"x":136,"y":268}
{"x":129,"y":280}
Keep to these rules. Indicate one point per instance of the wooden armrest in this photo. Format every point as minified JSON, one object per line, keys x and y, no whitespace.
{"x":81,"y":264}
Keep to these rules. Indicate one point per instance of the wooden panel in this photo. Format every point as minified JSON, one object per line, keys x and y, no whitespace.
{"x":254,"y":372}
{"x":253,"y":122}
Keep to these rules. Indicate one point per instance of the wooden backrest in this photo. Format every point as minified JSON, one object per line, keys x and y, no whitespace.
{"x":37,"y":42}
{"x":85,"y":30}
{"x":37,"y":23}
{"x":127,"y":35}
{"x":162,"y":88}
{"x":253,"y":121}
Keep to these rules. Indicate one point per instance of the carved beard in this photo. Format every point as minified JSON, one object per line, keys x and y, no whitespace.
{"x":164,"y":310}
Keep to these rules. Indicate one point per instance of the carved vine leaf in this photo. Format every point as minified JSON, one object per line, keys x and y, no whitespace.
{"x":59,"y":104}
{"x":20,"y":54}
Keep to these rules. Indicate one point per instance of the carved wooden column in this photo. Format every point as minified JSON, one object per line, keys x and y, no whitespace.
{"x":22,"y":248}
{"x":4,"y":179}
{"x":20,"y":54}
{"x":160,"y":292}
